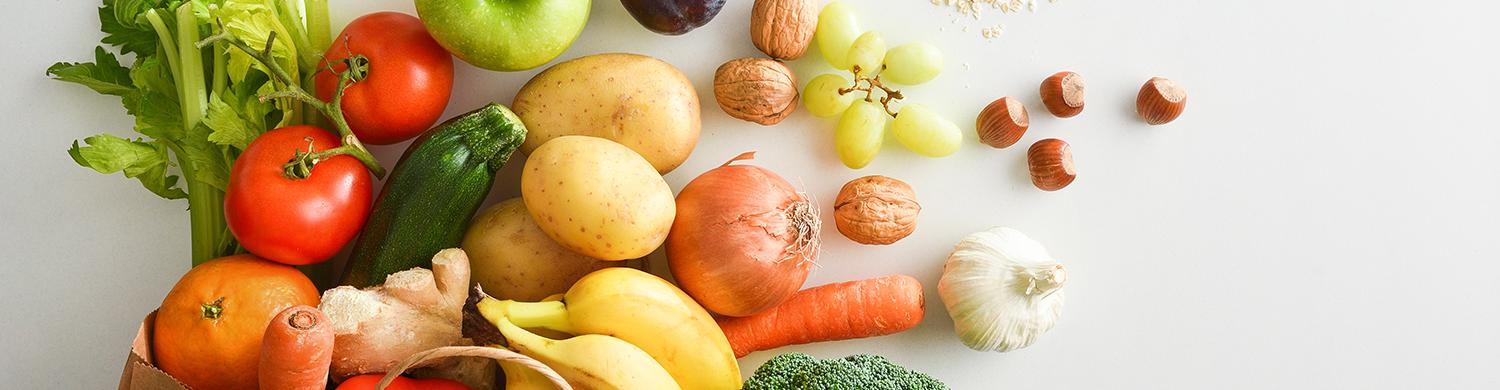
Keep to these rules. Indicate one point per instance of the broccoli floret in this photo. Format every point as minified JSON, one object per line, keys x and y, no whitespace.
{"x":799,"y":371}
{"x":788,"y":371}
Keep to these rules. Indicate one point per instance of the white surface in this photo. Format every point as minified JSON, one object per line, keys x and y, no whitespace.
{"x":1323,"y":215}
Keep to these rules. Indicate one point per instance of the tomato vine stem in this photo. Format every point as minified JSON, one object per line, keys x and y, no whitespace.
{"x":332,"y":109}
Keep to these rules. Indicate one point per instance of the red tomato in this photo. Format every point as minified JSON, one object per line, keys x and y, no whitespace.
{"x":368,"y":382}
{"x":408,"y":84}
{"x":296,"y":221}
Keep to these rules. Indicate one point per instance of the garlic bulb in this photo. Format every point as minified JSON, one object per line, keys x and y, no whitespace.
{"x":1002,"y":289}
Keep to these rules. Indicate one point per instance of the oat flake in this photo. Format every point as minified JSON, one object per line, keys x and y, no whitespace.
{"x":973,"y":9}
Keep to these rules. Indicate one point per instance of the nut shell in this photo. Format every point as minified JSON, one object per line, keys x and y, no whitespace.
{"x":783,"y":29}
{"x":1002,"y":123}
{"x":1160,"y":101}
{"x":758,"y":90}
{"x":1051,"y":163}
{"x":876,"y":210}
{"x":1063,"y":93}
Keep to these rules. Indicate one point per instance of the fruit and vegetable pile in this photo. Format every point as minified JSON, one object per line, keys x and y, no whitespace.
{"x":259,"y":117}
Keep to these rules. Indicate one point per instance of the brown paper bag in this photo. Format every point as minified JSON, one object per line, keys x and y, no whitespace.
{"x":139,"y":373}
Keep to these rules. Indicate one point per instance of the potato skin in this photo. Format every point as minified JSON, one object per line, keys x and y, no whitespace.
{"x":597,"y":197}
{"x":513,"y":259}
{"x":638,"y":101}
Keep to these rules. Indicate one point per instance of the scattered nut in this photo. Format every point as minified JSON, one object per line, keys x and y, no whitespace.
{"x":1051,"y":162}
{"x":1063,"y":94}
{"x":758,"y":90}
{"x":783,"y":29}
{"x":1160,"y":101}
{"x":1002,"y":123}
{"x":876,"y":210}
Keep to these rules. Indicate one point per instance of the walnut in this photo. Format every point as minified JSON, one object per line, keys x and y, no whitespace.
{"x":783,"y":28}
{"x":758,"y":90}
{"x":876,"y":210}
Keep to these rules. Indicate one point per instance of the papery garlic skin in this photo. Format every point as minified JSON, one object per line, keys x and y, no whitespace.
{"x":1002,"y":289}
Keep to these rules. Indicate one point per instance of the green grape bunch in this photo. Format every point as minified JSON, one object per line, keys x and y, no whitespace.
{"x":864,"y":106}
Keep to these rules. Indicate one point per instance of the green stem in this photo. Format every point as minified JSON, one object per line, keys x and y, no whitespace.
{"x":318,"y":41}
{"x":194,"y":97}
{"x":205,"y":203}
{"x":333,"y":110}
{"x":221,"y":63}
{"x":226,"y":245}
{"x":205,"y":212}
{"x":290,"y":15}
{"x":164,"y":35}
{"x":317,"y":26}
{"x":300,"y":167}
{"x":550,"y":315}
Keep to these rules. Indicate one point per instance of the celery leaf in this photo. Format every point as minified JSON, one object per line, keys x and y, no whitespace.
{"x":128,"y":35}
{"x":138,"y":159}
{"x":104,"y":75}
{"x":229,"y":127}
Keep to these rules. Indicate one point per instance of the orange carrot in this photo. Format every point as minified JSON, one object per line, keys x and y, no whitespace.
{"x":296,"y":351}
{"x":840,"y":311}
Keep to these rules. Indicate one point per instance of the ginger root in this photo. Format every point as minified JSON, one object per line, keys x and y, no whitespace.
{"x":414,"y":311}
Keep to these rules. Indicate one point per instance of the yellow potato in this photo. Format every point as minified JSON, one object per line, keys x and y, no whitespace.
{"x":597,"y":197}
{"x":513,"y":259}
{"x":635,"y":100}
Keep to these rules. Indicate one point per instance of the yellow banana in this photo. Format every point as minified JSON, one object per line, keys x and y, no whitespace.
{"x":647,"y":311}
{"x":590,"y":361}
{"x":519,"y":377}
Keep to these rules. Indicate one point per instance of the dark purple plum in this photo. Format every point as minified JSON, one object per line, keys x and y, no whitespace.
{"x":673,"y":17}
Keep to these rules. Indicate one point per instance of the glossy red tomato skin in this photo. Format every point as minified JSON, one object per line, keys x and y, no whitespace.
{"x":296,"y":221}
{"x":368,"y":382}
{"x":409,"y":81}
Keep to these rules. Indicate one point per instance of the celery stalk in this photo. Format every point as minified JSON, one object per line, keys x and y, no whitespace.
{"x":205,"y":203}
{"x":200,"y":149}
{"x":165,"y":35}
{"x":318,"y":34}
{"x":316,"y":29}
{"x":190,"y":80}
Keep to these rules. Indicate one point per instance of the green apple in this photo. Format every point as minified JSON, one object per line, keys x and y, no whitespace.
{"x":505,"y":35}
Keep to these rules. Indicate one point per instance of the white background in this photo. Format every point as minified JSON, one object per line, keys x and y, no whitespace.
{"x":1323,"y":215}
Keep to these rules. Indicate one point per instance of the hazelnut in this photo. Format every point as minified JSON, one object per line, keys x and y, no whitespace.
{"x":876,"y":210}
{"x":1063,"y":94}
{"x":1002,"y":123}
{"x":783,"y":29}
{"x":758,"y":90}
{"x":1051,"y":162}
{"x":1160,"y":101}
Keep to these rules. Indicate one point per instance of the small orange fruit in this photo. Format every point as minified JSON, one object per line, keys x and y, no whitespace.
{"x":209,"y":328}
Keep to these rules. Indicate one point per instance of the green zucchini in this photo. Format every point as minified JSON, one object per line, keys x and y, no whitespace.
{"x":429,"y":197}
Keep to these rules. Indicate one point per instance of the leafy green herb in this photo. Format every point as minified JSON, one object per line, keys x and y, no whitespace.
{"x":104,"y":75}
{"x":145,"y":161}
{"x":195,"y":108}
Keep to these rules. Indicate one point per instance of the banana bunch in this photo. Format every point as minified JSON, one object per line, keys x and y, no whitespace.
{"x":591,"y":361}
{"x":634,"y":331}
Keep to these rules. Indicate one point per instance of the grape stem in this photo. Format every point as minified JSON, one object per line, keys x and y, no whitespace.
{"x":869,"y":85}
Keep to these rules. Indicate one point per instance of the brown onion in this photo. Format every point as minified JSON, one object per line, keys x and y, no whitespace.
{"x":744,"y":239}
